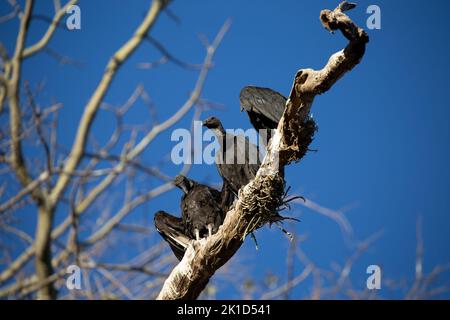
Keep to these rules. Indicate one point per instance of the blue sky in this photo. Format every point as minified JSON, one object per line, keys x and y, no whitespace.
{"x":383,"y":129}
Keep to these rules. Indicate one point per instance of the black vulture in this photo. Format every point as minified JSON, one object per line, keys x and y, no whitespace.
{"x":201,"y":209}
{"x":264,"y":107}
{"x":238,"y":159}
{"x":171,"y":229}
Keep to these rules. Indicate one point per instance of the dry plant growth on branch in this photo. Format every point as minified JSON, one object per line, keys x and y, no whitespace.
{"x":80,"y":177}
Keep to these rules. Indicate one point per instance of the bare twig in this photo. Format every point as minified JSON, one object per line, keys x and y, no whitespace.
{"x":38,"y":46}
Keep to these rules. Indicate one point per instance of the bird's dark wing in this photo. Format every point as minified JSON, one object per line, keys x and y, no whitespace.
{"x":171,"y":229}
{"x":201,"y":208}
{"x":264,"y":106}
{"x":241,"y":162}
{"x":252,"y":158}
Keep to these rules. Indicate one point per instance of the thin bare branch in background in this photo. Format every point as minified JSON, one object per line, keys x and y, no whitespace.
{"x":169,"y":57}
{"x":336,"y":215}
{"x":15,"y":11}
{"x":81,"y":186}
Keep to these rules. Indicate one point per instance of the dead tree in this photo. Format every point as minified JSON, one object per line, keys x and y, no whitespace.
{"x":259,"y":199}
{"x":73,"y":177}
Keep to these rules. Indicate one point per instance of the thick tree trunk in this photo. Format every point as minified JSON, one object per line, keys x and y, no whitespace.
{"x":43,"y":258}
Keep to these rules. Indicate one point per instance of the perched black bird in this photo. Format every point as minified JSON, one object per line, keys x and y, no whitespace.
{"x":171,"y":229}
{"x":201,"y":209}
{"x":202,"y":214}
{"x":264,"y":107}
{"x":238,"y":159}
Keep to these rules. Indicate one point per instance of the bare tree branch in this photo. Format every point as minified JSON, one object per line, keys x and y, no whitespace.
{"x":29,"y":188}
{"x":92,"y":106}
{"x":38,"y":46}
{"x":13,"y":98}
{"x":127,"y":158}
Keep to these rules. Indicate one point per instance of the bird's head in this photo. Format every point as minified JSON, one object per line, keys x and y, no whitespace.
{"x":246,"y":96}
{"x":158,"y":216}
{"x":183,"y":183}
{"x":212,"y":123}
